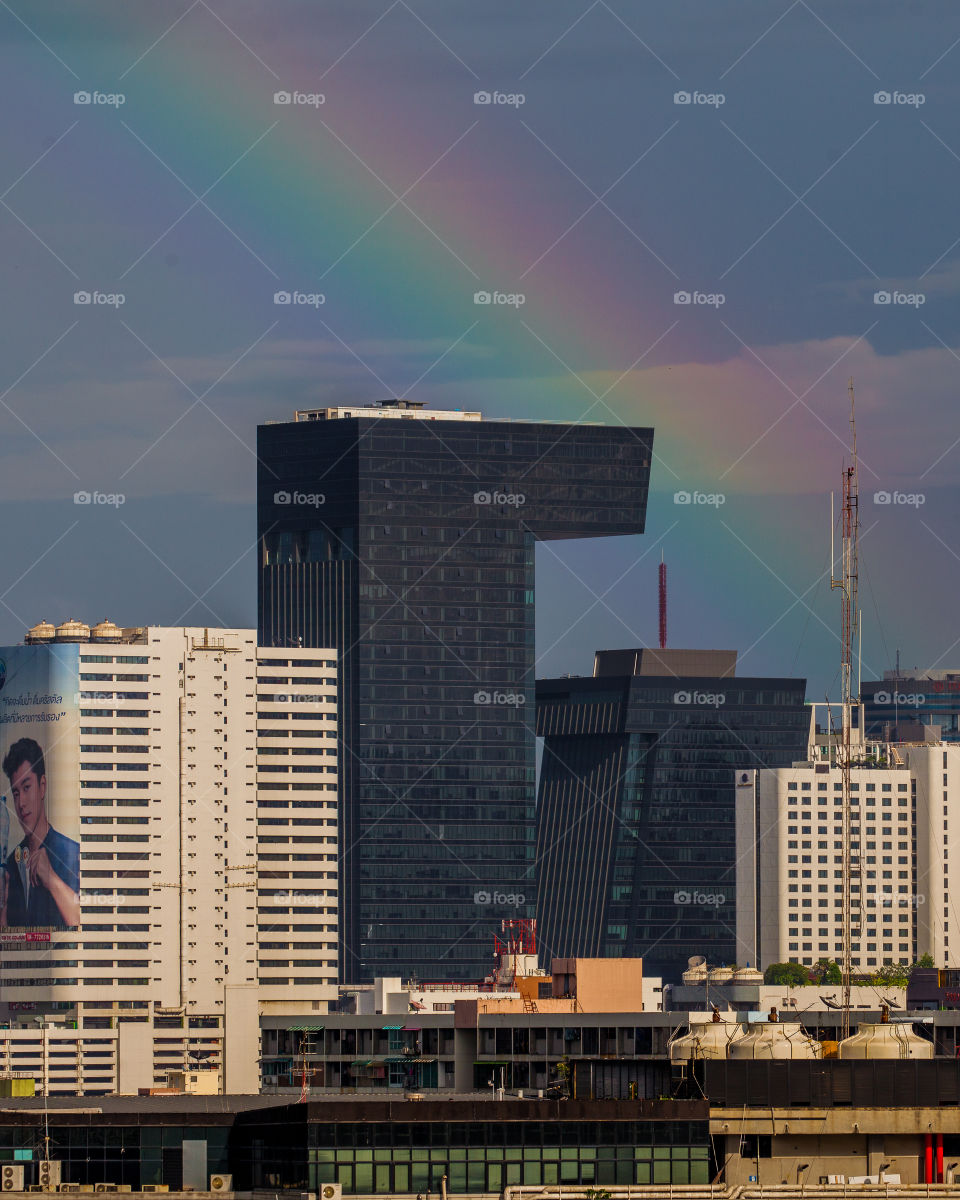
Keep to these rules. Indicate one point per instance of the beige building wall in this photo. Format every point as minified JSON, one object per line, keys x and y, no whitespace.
{"x":789,"y":828}
{"x":208,"y":861}
{"x":603,"y":984}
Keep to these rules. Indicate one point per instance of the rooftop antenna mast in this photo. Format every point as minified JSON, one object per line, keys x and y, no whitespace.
{"x":663,"y":602}
{"x":850,"y":628}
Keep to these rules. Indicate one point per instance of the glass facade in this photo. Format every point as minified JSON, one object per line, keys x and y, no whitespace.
{"x":409,"y":546}
{"x":100,"y":1152}
{"x":401,"y":1157}
{"x":636,"y":834}
{"x":910,"y":701}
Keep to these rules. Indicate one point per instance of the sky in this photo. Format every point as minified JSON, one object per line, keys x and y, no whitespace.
{"x":787,"y":169}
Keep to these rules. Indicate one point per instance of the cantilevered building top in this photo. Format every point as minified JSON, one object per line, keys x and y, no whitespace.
{"x":705,"y":664}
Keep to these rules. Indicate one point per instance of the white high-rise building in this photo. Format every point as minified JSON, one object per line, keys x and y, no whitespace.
{"x":905,"y":855}
{"x":169,"y":835}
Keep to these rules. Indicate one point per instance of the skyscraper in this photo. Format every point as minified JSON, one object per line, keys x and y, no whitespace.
{"x":635,"y":819}
{"x":405,"y":537}
{"x":790,"y":862}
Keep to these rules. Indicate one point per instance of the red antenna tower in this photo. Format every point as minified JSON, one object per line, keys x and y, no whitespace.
{"x":663,"y":603}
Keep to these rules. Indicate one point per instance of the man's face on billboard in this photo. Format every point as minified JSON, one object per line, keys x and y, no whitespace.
{"x":29,"y":794}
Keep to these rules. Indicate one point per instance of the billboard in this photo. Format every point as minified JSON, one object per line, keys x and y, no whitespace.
{"x":39,"y":792}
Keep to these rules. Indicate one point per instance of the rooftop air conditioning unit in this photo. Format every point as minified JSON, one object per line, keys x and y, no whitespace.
{"x":11,"y":1177}
{"x":69,"y":1187}
{"x":331,"y":1191}
{"x":49,"y":1176}
{"x":105,"y":1187}
{"x":221,"y":1183}
{"x":155,"y":1187}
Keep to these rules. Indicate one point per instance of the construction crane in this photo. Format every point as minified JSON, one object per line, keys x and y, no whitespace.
{"x":848,"y":583}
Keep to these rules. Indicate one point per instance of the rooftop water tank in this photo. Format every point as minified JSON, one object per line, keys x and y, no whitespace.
{"x":73,"y":631}
{"x":774,"y":1039}
{"x":720,"y":974}
{"x":747,"y":974}
{"x":696,"y":971}
{"x":707,"y":1040}
{"x":885,"y":1041}
{"x":106,"y":631}
{"x":43,"y":631}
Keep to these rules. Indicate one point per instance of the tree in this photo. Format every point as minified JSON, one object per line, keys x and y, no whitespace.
{"x":826,"y":973}
{"x":925,"y":960}
{"x":893,"y":975}
{"x":786,"y":975}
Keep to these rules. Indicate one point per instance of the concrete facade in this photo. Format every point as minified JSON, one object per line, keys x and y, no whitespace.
{"x":208,"y":865}
{"x":790,"y":856}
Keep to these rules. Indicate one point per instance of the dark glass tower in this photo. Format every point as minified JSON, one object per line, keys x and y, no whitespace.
{"x":913,"y":706}
{"x":406,"y":538}
{"x":636,"y":840}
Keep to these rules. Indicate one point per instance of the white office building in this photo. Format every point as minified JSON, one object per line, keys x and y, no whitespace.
{"x":198,"y":775}
{"x":905,"y":854}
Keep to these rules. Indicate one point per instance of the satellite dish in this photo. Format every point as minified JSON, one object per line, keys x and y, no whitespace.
{"x":696,"y":961}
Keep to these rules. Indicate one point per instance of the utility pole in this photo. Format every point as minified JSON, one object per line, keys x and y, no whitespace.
{"x":850,"y":626}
